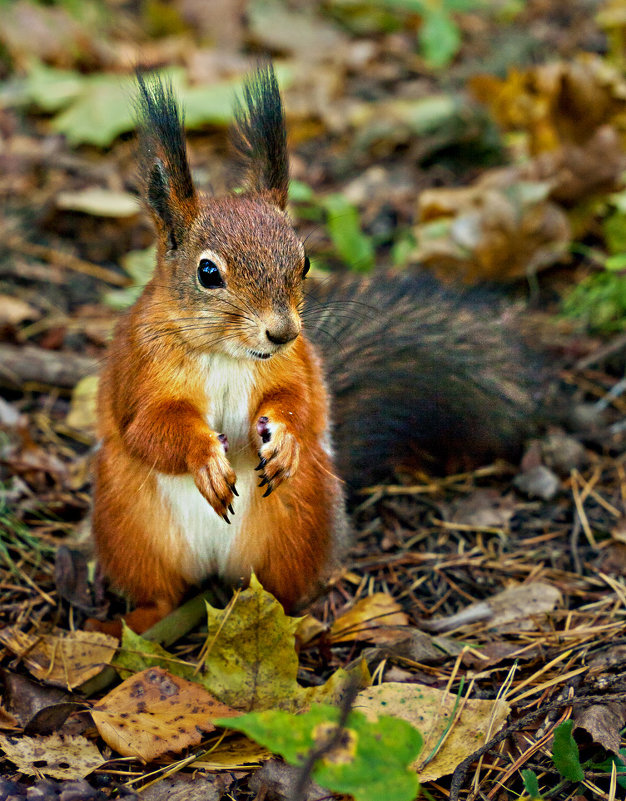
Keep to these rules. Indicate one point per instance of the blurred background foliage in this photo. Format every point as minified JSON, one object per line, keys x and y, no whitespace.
{"x":482,"y":139}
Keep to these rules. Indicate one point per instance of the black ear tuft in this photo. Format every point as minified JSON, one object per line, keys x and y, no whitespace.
{"x":259,"y":136}
{"x":164,"y":170}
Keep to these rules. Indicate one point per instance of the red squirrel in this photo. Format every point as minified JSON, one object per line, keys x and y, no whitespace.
{"x":217,"y":452}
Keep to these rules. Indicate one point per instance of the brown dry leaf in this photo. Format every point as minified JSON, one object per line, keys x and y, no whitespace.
{"x":64,"y":659}
{"x":483,"y":508}
{"x":577,"y":171}
{"x":279,"y":781}
{"x":603,"y":723}
{"x":376,"y":618}
{"x":51,"y":34}
{"x":153,"y":713}
{"x":62,"y":757}
{"x":556,"y":103}
{"x":516,"y":605}
{"x":233,"y":755}
{"x":7,"y":720}
{"x":185,"y":787}
{"x":499,"y":229}
{"x":308,"y":629}
{"x":14,"y":311}
{"x":432,"y":712}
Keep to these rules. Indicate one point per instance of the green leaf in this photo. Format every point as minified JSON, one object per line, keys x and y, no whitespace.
{"x":614,"y":229}
{"x":565,"y":753}
{"x":439,"y":38}
{"x":531,"y":785}
{"x":136,"y":654}
{"x":344,"y":228}
{"x":139,"y":264}
{"x":370,"y":762}
{"x":607,"y":766}
{"x":101,"y":112}
{"x":52,"y":89}
{"x":299,"y":192}
{"x":615,"y":263}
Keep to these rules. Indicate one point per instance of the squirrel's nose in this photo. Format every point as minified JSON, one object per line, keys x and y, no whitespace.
{"x":280,"y":335}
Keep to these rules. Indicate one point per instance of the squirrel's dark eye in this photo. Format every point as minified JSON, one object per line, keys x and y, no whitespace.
{"x":209,"y":275}
{"x":307,"y":266}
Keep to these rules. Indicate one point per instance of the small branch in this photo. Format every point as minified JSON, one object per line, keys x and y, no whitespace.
{"x":65,"y":260}
{"x":299,"y":792}
{"x":28,"y":364}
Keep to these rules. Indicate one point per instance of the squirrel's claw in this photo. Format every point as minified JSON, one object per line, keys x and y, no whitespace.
{"x":279,"y":453}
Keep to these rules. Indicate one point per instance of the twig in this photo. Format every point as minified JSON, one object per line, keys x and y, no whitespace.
{"x":299,"y":792}
{"x":57,"y":257}
{"x":460,"y":771}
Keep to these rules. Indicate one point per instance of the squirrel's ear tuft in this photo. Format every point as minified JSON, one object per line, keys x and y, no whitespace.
{"x":168,"y":189}
{"x":259,"y":137}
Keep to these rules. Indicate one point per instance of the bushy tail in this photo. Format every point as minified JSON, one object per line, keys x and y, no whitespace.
{"x":419,"y":374}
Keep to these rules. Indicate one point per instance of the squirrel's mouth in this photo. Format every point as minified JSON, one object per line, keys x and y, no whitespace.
{"x":258,"y":355}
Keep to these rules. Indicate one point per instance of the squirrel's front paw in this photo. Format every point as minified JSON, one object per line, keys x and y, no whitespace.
{"x":215,"y":478}
{"x":279,"y":453}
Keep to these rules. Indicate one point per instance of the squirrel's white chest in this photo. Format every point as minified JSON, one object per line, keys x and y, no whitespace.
{"x":229,"y":384}
{"x":209,"y":540}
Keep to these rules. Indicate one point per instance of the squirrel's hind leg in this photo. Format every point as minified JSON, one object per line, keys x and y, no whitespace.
{"x":134,"y":544}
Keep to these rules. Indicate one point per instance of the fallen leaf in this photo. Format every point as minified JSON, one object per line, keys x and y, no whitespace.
{"x":252,"y":662}
{"x":64,"y":659}
{"x":499,"y":229}
{"x":421,"y":647}
{"x":515,"y":605}
{"x":51,"y":33}
{"x":82,"y":414}
{"x":135,"y":654}
{"x":9,"y":415}
{"x":139,"y":264}
{"x":603,"y":723}
{"x":183,"y":787}
{"x":483,"y":508}
{"x":71,"y":581}
{"x":557,"y":102}
{"x":51,"y":718}
{"x":369,"y":762}
{"x":233,"y":755}
{"x":280,"y":780}
{"x":309,"y":628}
{"x":153,"y":713}
{"x":63,"y":757}
{"x":376,"y":618}
{"x":432,"y":712}
{"x":99,"y":202}
{"x":7,"y":720}
{"x":278,"y":27}
{"x":538,"y":482}
{"x":14,"y":311}
{"x":25,"y":698}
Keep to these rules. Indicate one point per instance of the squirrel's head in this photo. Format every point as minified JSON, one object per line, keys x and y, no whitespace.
{"x":232,"y":266}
